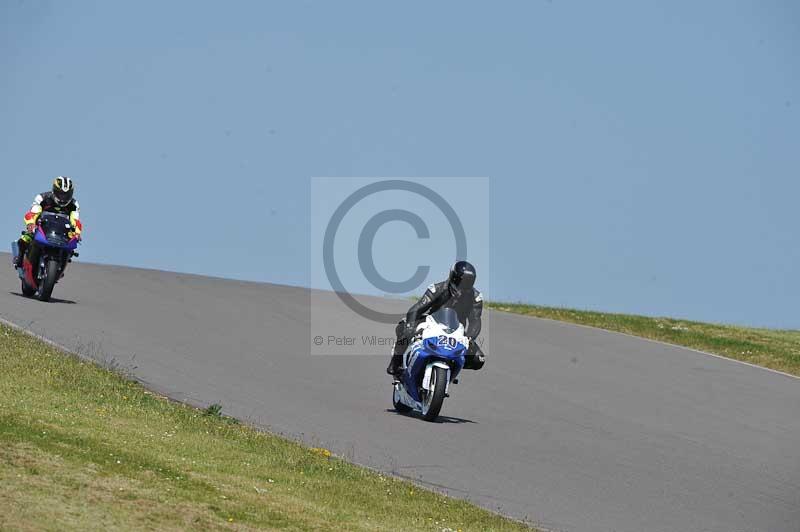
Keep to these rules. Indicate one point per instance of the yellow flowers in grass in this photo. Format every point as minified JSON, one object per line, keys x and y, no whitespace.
{"x":322,"y":452}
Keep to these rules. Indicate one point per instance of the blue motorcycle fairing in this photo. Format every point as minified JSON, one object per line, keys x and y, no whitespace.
{"x":54,"y":242}
{"x":427,"y":351}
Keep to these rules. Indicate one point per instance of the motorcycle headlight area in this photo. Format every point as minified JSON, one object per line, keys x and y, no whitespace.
{"x":444,"y":344}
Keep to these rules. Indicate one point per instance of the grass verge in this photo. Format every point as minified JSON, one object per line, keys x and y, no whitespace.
{"x":82,"y":448}
{"x":775,"y":349}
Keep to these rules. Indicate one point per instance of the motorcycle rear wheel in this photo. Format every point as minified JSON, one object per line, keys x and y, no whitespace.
{"x":400,"y":407}
{"x":27,"y":291}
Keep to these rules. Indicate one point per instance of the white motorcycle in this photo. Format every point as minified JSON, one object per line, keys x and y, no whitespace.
{"x":431,"y":362}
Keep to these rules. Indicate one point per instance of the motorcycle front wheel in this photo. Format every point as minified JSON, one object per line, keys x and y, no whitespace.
{"x":432,"y":400}
{"x":52,"y":271}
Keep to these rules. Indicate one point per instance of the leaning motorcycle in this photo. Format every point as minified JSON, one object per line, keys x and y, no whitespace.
{"x":47,"y":256}
{"x":431,"y":363}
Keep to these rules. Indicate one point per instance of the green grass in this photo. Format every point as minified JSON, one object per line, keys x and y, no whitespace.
{"x":82,"y":448}
{"x":775,"y":349}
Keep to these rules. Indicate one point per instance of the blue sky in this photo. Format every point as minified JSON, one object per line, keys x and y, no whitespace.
{"x":643,"y":156}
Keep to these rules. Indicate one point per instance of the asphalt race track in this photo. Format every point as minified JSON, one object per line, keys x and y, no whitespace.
{"x":574,"y":428}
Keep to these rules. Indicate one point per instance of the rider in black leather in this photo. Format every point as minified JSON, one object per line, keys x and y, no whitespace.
{"x":457,"y":292}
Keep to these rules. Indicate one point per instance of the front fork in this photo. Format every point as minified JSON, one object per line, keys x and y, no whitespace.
{"x":426,"y":379}
{"x":42,"y":257}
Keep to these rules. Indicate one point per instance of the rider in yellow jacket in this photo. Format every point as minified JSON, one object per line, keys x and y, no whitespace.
{"x":60,"y":199}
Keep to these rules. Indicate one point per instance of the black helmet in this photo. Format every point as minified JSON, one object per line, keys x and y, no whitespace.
{"x":462,"y":276}
{"x":63,"y":189}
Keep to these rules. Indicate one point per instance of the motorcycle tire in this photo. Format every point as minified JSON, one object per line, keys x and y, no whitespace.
{"x":430,"y":411}
{"x":49,"y":281}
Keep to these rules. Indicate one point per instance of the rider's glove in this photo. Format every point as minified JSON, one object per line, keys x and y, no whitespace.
{"x":409,"y":330}
{"x":30,"y":228}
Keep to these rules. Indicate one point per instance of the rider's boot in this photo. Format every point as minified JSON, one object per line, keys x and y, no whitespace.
{"x":394,"y":365}
{"x":18,"y":259}
{"x":397,"y":354}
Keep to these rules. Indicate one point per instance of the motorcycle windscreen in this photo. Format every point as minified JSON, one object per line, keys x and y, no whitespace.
{"x":447,"y":318}
{"x":55,"y":229}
